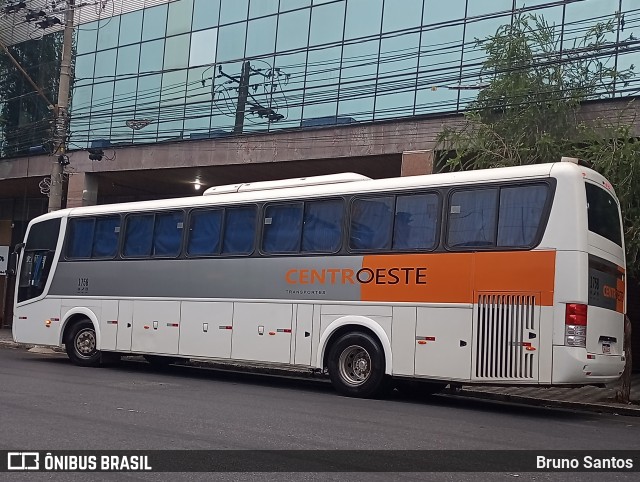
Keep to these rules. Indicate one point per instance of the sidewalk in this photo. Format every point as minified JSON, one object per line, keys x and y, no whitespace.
{"x":584,"y":398}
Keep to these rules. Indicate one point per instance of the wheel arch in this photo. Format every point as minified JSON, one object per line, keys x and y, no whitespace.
{"x":75,"y":315}
{"x":352,"y":323}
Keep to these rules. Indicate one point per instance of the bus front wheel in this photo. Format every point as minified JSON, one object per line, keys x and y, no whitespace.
{"x":82,"y":344}
{"x":356,"y":366}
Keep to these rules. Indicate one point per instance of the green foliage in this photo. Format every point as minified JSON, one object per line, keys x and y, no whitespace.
{"x":529,"y":112}
{"x":615,"y":153}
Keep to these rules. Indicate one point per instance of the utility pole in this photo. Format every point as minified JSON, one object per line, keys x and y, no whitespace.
{"x":246,"y":98}
{"x":243,"y":93}
{"x":61,"y":120}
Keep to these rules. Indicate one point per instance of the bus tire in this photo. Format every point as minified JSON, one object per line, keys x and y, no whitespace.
{"x":81,"y":344}
{"x":356,"y":365}
{"x":160,"y":361}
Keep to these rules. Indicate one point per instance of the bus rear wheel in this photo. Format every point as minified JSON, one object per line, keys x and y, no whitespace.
{"x":81,"y":344}
{"x":356,"y":366}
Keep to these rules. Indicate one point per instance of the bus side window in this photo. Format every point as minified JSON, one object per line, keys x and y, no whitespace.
{"x":322,"y":229}
{"x":521,"y":209}
{"x":472,"y":218}
{"x":105,"y":237}
{"x":239,"y":230}
{"x":416,"y":222}
{"x":205,"y":228}
{"x":371,"y":223}
{"x":138,"y":235}
{"x":167,"y":234}
{"x":282,"y":228}
{"x":80,"y":237}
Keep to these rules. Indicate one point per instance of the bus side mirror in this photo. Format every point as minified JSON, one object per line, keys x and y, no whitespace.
{"x":13,"y":260}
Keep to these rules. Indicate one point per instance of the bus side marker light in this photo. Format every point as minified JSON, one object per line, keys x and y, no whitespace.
{"x":146,"y":327}
{"x":527,"y":346}
{"x":229,"y":327}
{"x":172,"y":325}
{"x":272,"y":333}
{"x":112,"y":322}
{"x":284,"y":330}
{"x":591,"y":357}
{"x":47,"y":323}
{"x":22,"y":317}
{"x":422,"y":342}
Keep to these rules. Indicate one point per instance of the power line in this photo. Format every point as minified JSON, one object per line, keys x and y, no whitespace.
{"x":391,"y":84}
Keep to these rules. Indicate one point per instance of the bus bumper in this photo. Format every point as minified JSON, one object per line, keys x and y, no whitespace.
{"x":571,"y":366}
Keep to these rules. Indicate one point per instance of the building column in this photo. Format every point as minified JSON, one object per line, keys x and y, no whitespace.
{"x":416,"y":163}
{"x":6,"y":293}
{"x":83,"y":190}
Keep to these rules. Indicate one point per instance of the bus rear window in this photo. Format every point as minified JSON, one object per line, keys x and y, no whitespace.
{"x":602,"y":210}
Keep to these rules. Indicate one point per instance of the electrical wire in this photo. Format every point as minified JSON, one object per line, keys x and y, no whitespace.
{"x":309,"y":91}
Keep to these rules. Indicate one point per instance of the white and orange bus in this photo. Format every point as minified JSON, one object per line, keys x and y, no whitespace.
{"x":500,"y":276}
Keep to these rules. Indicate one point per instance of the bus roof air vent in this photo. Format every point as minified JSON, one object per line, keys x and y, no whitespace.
{"x":286,"y":183}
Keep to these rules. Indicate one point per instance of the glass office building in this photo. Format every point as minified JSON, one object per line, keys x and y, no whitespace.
{"x":334,"y":86}
{"x":193,"y":69}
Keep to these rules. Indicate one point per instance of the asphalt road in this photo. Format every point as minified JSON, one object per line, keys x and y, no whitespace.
{"x":46,"y":403}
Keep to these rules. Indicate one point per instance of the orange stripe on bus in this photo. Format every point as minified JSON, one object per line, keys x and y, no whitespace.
{"x":454,"y":277}
{"x":530,"y":271}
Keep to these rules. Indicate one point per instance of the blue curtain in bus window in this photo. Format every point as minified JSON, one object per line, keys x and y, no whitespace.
{"x":416,"y":222}
{"x":239,"y":230}
{"x":105,"y":241}
{"x":80,"y":238}
{"x":204,"y":233}
{"x":138,"y":235}
{"x":322,"y":228}
{"x":520,"y":214}
{"x":472,"y":218}
{"x":167,"y":235}
{"x":371,"y":223}
{"x":282,"y":228}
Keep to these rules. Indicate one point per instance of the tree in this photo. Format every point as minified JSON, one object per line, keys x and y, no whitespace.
{"x":529,"y":112}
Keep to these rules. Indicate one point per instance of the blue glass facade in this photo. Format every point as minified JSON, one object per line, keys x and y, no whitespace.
{"x":175,"y":71}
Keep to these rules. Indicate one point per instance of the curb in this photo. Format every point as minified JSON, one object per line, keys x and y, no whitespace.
{"x":614,"y":409}
{"x":27,"y":346}
{"x":454,"y":393}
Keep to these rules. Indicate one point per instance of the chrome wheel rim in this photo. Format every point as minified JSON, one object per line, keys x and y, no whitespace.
{"x":355,"y":365}
{"x":85,"y":343}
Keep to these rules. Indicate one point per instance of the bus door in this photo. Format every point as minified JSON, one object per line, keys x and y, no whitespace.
{"x":443,"y":342}
{"x":506,"y":332}
{"x":125,"y":325}
{"x":262,"y":332}
{"x":37,"y":322}
{"x":109,"y":325}
{"x":303,"y":334}
{"x":156,"y":327}
{"x":206,"y":328}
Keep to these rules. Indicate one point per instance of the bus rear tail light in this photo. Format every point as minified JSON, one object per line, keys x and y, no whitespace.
{"x":575,"y":325}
